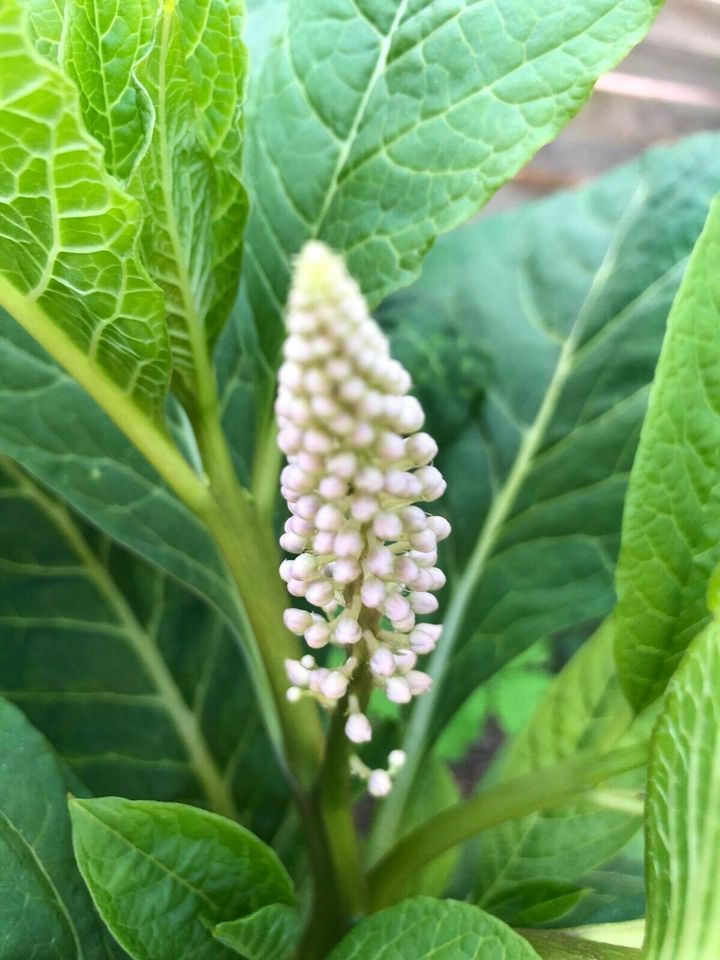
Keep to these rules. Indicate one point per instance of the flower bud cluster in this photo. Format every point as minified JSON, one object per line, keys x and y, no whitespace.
{"x":358,"y":465}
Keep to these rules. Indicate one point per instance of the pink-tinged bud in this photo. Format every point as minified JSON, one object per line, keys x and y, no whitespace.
{"x":396,"y":607}
{"x":347,"y":630}
{"x":358,"y":729}
{"x":304,"y":566}
{"x":332,"y":488}
{"x":297,"y":588}
{"x":382,"y":662}
{"x":363,"y":508}
{"x":372,"y":403}
{"x":372,"y":593}
{"x":418,"y":682}
{"x":398,"y":690}
{"x":343,"y":465}
{"x":369,"y":480}
{"x":319,"y":592}
{"x":303,"y":528}
{"x":422,"y":581}
{"x":424,"y":540}
{"x":310,"y":462}
{"x":317,"y":441}
{"x":290,"y":439}
{"x":381,"y":562}
{"x":292,"y":543}
{"x":296,"y":479}
{"x":379,"y":783}
{"x":339,"y":370}
{"x":390,"y":446}
{"x":290,"y":376}
{"x":423,"y":602}
{"x":424,"y":559}
{"x":323,"y":542}
{"x":342,"y":424}
{"x":346,"y":570}
{"x":362,"y":436}
{"x":307,"y":506}
{"x":286,"y":570}
{"x":324,"y":407}
{"x":424,"y":637}
{"x":297,"y":621}
{"x":406,"y":570}
{"x":432,"y":481}
{"x":437,"y":578}
{"x":414,"y":519}
{"x":348,"y":543}
{"x":387,"y":525}
{"x":335,"y":685}
{"x":406,"y":624}
{"x":329,"y":518}
{"x":420,"y":449}
{"x":411,"y":416}
{"x":405,"y":660}
{"x":440,"y":527}
{"x":297,"y":673}
{"x":317,"y":634}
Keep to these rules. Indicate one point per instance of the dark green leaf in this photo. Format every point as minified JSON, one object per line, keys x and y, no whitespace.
{"x":671,"y":530}
{"x":270,"y":934}
{"x":162,"y":875}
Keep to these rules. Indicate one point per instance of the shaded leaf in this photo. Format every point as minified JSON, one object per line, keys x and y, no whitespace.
{"x":270,"y":934}
{"x":671,"y":530}
{"x":558,"y":946}
{"x":162,"y":875}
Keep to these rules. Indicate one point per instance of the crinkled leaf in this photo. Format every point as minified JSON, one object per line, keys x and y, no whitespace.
{"x":671,"y":530}
{"x":379,"y":124}
{"x":139,"y":686}
{"x":423,"y":928}
{"x":270,"y":934}
{"x":525,"y":865}
{"x":682,"y":827}
{"x":45,"y":913}
{"x":162,"y":875}
{"x":69,"y":271}
{"x":560,"y":308}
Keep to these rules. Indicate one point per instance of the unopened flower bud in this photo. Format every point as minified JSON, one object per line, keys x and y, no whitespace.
{"x":358,"y":729}
{"x":379,"y":783}
{"x":398,"y":690}
{"x":297,"y":621}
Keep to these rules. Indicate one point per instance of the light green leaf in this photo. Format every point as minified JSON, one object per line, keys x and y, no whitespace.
{"x":682,"y":827}
{"x":545,"y":397}
{"x":552,"y":945}
{"x":69,"y":271}
{"x":379,"y":124}
{"x":423,"y":928}
{"x":45,"y":913}
{"x":162,"y":875}
{"x":270,"y":934}
{"x":138,"y":685}
{"x":525,"y":863}
{"x":189,"y":179}
{"x":671,"y":530}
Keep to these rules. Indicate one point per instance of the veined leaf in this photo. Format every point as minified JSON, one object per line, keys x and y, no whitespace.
{"x":525,"y":862}
{"x":377,"y":126}
{"x":537,"y":455}
{"x":45,"y":913}
{"x":139,"y":686}
{"x":682,"y":828}
{"x":69,"y":271}
{"x":270,"y":934}
{"x":423,"y":928}
{"x":162,"y":875}
{"x":671,"y":530}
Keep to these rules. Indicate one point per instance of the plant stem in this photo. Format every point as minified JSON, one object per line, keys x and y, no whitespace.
{"x":555,"y":945}
{"x":511,"y":800}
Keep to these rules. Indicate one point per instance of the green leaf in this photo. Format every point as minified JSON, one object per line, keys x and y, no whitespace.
{"x":526,"y":863}
{"x":69,"y":268}
{"x":189,"y":178}
{"x":537,"y":462}
{"x":682,"y":828}
{"x":44,"y":909}
{"x":377,"y":126}
{"x":138,"y":685}
{"x":552,"y":945}
{"x":270,"y":934}
{"x":671,"y":531}
{"x":423,"y":928}
{"x":162,"y":875}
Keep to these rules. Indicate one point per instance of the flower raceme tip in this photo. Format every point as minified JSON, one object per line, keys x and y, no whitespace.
{"x":358,"y":465}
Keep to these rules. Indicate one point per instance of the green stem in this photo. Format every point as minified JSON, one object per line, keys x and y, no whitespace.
{"x":549,"y":787}
{"x":266,"y":470}
{"x":554,"y":945}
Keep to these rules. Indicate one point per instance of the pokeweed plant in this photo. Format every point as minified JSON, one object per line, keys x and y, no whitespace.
{"x":189,"y":257}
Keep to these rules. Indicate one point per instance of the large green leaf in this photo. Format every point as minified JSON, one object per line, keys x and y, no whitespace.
{"x":671,"y":530}
{"x":379,"y":124}
{"x":536,"y":862}
{"x":69,"y":271}
{"x":271,"y":933}
{"x":423,"y":928}
{"x":163,"y":875}
{"x":138,"y":685}
{"x":558,"y":310}
{"x":45,"y":913}
{"x":682,"y":826}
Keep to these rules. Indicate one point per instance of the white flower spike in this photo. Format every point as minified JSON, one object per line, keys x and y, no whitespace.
{"x":358,"y":463}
